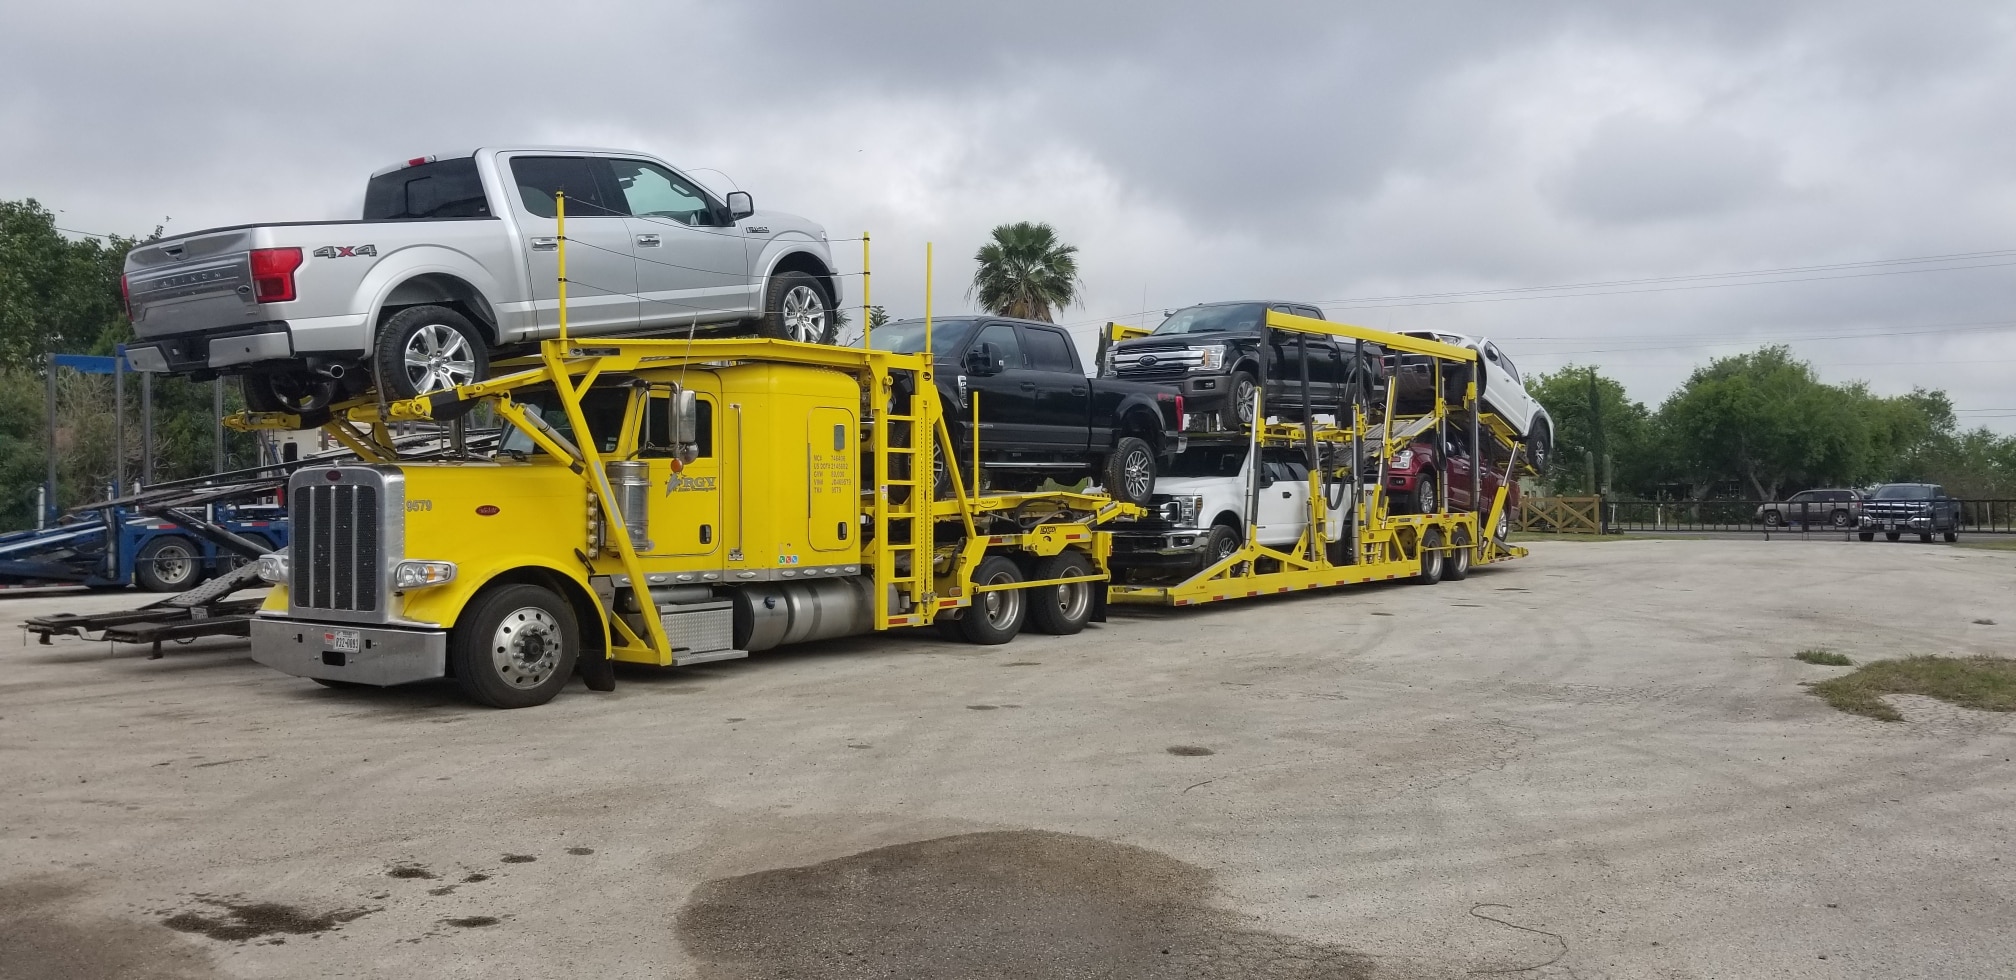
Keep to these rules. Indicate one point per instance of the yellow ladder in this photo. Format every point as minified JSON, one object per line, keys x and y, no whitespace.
{"x":900,"y":501}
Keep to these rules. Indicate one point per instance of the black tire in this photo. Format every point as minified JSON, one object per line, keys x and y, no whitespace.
{"x":1129,"y":471}
{"x":1540,"y":448}
{"x":1952,"y":536}
{"x":1432,"y":557}
{"x":796,"y":307}
{"x":1239,"y":390}
{"x":1456,"y":566}
{"x":530,"y":630}
{"x":995,"y":617}
{"x":300,"y":393}
{"x":1925,"y":538}
{"x":1866,"y":535}
{"x":1773,"y":518}
{"x":1223,"y":540}
{"x":1892,"y":535}
{"x":429,"y":348}
{"x":1064,"y":609}
{"x":169,"y":563}
{"x":1839,"y":519}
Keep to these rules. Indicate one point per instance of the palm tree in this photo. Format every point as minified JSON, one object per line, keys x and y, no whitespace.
{"x":1026,"y":272}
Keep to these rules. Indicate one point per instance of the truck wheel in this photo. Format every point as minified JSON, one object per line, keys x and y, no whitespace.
{"x":1773,"y":519}
{"x":302,"y":393}
{"x":514,"y":647}
{"x":429,"y":348}
{"x":795,"y":308}
{"x":1061,"y":610}
{"x":1130,"y":471}
{"x":1925,"y":538}
{"x":1866,"y":535}
{"x":1239,"y":389}
{"x":994,"y":617}
{"x":1839,"y":518}
{"x":170,"y":563}
{"x":1456,"y":565}
{"x":1223,"y":541}
{"x":1431,"y":557}
{"x":1952,"y":536}
{"x":1540,"y":448}
{"x":1422,"y":500}
{"x":1892,"y":535}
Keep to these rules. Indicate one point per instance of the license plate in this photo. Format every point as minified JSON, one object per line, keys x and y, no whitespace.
{"x":343,"y":641}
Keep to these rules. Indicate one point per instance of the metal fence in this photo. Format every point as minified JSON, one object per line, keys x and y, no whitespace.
{"x":1976,"y":516}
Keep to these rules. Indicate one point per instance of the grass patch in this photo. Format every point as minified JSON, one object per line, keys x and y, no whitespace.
{"x":1986,"y":683}
{"x":1825,"y":658}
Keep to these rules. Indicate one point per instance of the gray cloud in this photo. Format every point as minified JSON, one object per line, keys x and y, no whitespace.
{"x":1192,"y":151}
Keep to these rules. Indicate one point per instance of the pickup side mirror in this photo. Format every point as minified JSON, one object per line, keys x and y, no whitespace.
{"x":740,"y":205}
{"x":983,"y":360}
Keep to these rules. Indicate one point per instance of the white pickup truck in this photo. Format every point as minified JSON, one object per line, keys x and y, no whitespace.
{"x":453,"y":259}
{"x":1199,"y":505}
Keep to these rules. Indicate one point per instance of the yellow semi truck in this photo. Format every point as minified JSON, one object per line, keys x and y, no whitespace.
{"x":661,"y":502}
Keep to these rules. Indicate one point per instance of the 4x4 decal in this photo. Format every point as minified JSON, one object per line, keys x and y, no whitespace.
{"x":344,"y":251}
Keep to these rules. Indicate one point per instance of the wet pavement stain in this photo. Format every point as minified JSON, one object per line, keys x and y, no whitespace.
{"x":473,"y":921}
{"x":1007,"y":904}
{"x":239,"y":921}
{"x":409,"y":871}
{"x":474,"y":878}
{"x":519,"y":859}
{"x":579,"y":851}
{"x":982,"y":707}
{"x":1189,"y":750}
{"x":40,"y":939}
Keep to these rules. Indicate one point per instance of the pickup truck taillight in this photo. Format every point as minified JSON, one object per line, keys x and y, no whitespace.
{"x":273,"y":274}
{"x":126,"y":297}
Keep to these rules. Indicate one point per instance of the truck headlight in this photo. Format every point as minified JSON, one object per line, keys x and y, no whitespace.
{"x":1404,"y":457}
{"x":1181,"y":511}
{"x":1211,"y":356}
{"x":420,"y":574}
{"x":273,"y":568}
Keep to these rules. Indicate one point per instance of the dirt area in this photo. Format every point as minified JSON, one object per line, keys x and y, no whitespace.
{"x":1596,"y":763}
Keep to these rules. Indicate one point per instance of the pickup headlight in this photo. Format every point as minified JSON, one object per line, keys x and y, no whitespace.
{"x":1211,"y":356}
{"x":1404,"y":457}
{"x":1182,"y":510}
{"x":273,"y":568}
{"x":420,"y":574}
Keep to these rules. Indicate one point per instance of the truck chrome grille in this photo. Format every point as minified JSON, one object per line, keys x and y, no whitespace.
{"x":339,"y":525}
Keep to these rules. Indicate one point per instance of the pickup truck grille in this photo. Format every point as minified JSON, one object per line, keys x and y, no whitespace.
{"x":346,"y":531}
{"x":1158,"y":364}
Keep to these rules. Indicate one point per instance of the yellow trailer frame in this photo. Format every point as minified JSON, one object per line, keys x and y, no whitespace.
{"x":1381,"y":546}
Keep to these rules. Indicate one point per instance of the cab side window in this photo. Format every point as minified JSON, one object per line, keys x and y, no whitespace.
{"x":655,"y":441}
{"x":1007,"y":348}
{"x":653,"y":191}
{"x":1049,"y":350}
{"x":584,"y":179}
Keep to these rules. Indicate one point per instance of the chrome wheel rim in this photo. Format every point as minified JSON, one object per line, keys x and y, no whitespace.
{"x":1004,"y":606}
{"x":1227,"y":546}
{"x":172,"y":563}
{"x":1074,"y":598}
{"x":1137,"y":471}
{"x":804,"y":315}
{"x":525,"y":647}
{"x":1431,"y":561}
{"x":1242,"y":398}
{"x":438,"y":357}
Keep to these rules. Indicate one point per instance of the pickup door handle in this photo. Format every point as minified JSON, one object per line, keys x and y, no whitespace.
{"x":545,"y":244}
{"x":1285,"y":494}
{"x":647,"y":241}
{"x":1028,"y":386}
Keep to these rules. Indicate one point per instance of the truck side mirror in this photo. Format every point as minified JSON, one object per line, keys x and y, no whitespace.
{"x":685,"y":425}
{"x":982,"y":360}
{"x":740,"y":205}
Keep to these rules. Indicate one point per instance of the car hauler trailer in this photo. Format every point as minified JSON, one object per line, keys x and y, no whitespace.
{"x":661,"y":502}
{"x":1371,"y":543}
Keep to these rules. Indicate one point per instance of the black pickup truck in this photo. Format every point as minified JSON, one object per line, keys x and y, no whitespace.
{"x":1211,"y":353}
{"x":1923,"y":509}
{"x":1040,"y":416}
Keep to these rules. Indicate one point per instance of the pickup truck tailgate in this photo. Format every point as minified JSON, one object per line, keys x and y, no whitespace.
{"x":195,"y":283}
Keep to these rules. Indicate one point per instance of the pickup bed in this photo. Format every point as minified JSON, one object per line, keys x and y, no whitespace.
{"x":453,"y":259}
{"x":1040,"y":416}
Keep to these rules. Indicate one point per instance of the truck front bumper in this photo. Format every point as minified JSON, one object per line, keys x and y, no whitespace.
{"x":1172,"y":549}
{"x":1897,"y":522}
{"x":341,"y":652}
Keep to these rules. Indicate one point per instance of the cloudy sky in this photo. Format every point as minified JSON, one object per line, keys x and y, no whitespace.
{"x":1420,"y":165}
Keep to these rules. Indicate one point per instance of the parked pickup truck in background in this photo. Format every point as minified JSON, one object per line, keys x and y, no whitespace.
{"x":1211,"y":353}
{"x":1923,"y":509}
{"x":1040,"y":416}
{"x":454,"y":258}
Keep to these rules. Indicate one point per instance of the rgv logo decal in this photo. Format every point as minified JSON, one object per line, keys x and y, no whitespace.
{"x":344,"y":251}
{"x":697,"y":484}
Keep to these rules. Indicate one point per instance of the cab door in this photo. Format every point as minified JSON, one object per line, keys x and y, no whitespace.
{"x":1284,"y":502}
{"x":685,"y":498}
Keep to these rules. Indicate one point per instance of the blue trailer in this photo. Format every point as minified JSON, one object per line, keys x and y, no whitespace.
{"x":123,"y":544}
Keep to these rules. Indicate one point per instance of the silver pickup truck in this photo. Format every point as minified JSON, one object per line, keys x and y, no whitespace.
{"x":453,"y":259}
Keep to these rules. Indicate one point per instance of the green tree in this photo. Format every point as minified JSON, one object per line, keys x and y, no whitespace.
{"x":57,"y":294}
{"x":1025,"y":271}
{"x":1594,"y":417}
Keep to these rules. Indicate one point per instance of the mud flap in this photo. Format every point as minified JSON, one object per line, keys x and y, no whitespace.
{"x":599,"y":673}
{"x":1098,"y":603}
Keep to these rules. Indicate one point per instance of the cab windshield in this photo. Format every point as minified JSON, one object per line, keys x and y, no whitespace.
{"x":947,"y":337}
{"x":1904,"y":491}
{"x":1234,"y":318}
{"x":1207,"y":462}
{"x":602,"y":407}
